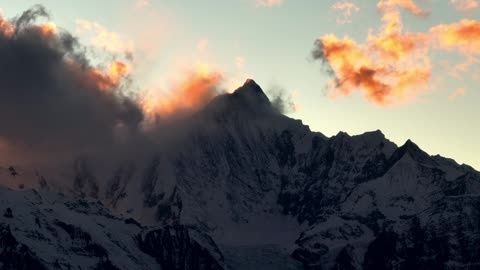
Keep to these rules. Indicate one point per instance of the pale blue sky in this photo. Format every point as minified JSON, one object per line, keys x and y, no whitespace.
{"x":275,"y":44}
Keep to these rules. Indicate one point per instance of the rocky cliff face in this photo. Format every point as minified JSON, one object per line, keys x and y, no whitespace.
{"x":409,"y":217}
{"x":245,"y":187}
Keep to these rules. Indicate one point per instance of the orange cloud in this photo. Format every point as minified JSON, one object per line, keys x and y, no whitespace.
{"x":464,"y":6}
{"x":457,"y":93}
{"x":391,"y":67}
{"x":462,"y":67}
{"x":356,"y":68}
{"x":394,"y":66}
{"x":48,"y":28}
{"x":463,"y":36}
{"x":117,"y":70}
{"x":386,"y":6}
{"x":268,"y":3}
{"x":190,"y":93}
{"x":6,"y":28}
{"x":398,"y":46}
{"x":110,"y":79}
{"x":391,"y":17}
{"x":100,"y":37}
{"x":347,"y":8}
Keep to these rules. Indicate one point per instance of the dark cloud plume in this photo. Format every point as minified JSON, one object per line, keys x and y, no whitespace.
{"x":281,"y":99}
{"x":29,"y":16}
{"x":70,"y":123}
{"x":318,"y":53}
{"x":52,"y":99}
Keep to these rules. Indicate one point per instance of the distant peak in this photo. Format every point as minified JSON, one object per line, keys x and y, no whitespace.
{"x":251,"y":86}
{"x":374,"y":134}
{"x":411,"y":145}
{"x":378,"y":132}
{"x":413,"y":151}
{"x":342,"y":134}
{"x":252,"y":92}
{"x":412,"y":148}
{"x":250,"y":82}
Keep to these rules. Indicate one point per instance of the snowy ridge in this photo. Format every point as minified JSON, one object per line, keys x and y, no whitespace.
{"x":49,"y":231}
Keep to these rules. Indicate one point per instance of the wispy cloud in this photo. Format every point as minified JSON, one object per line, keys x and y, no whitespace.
{"x":239,"y":62}
{"x":101,"y":37}
{"x":283,"y":100}
{"x":390,"y":5}
{"x":142,"y":3}
{"x":457,"y":93}
{"x":465,"y":6}
{"x":462,"y":67}
{"x":202,"y":44}
{"x":346,"y":8}
{"x":268,"y":3}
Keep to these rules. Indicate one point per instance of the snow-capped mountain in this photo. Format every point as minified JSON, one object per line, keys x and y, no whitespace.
{"x":245,"y":187}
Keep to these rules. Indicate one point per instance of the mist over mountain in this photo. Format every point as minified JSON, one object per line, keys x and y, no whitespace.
{"x":59,"y":105}
{"x":239,"y":185}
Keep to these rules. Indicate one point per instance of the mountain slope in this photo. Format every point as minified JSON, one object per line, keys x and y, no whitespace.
{"x":271,"y":194}
{"x":50,"y":231}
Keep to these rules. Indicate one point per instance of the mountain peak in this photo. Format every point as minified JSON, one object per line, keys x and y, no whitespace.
{"x":377,"y":132}
{"x":248,"y":98}
{"x":250,"y":82}
{"x":252,"y":92}
{"x":410,"y":148}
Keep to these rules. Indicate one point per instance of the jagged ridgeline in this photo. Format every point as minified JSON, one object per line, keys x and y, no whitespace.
{"x":242,"y":186}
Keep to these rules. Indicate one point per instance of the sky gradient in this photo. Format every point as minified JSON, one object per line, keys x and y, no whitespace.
{"x":272,"y":42}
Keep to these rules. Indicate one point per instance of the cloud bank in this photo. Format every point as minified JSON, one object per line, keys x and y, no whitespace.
{"x":50,"y":92}
{"x":55,"y":103}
